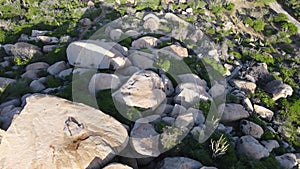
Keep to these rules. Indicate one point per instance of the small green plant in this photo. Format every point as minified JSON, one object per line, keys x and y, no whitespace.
{"x":171,"y":136}
{"x":20,"y":62}
{"x":259,"y":25}
{"x":53,"y":82}
{"x":281,"y":17}
{"x":218,"y":147}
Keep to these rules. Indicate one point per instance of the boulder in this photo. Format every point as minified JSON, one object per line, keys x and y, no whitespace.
{"x":31,"y":74}
{"x":57,"y":67}
{"x":66,"y":135}
{"x":250,"y":128}
{"x":36,"y":86}
{"x":179,"y":163}
{"x":270,"y":144}
{"x":278,"y":89}
{"x":5,"y":82}
{"x":48,"y":39}
{"x":261,"y":74}
{"x":116,"y":34}
{"x":49,"y":48}
{"x":142,"y":60}
{"x":25,"y":50}
{"x":249,"y":146}
{"x":190,"y":93}
{"x":117,"y":166}
{"x":264,"y":112}
{"x":247,"y":87}
{"x":96,"y":54}
{"x":144,"y":89}
{"x":177,"y":50}
{"x":7,"y":115}
{"x":233,"y":112}
{"x":37,"y":66}
{"x":145,"y":42}
{"x":144,"y":139}
{"x":287,"y":161}
{"x":103,"y":81}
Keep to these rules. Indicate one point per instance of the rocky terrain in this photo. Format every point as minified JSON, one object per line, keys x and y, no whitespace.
{"x":160,"y":84}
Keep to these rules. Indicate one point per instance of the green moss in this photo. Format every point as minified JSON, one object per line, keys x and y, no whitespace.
{"x":92,"y":14}
{"x":280,"y":17}
{"x":268,"y":135}
{"x":52,"y":57}
{"x":159,"y":126}
{"x":259,"y":25}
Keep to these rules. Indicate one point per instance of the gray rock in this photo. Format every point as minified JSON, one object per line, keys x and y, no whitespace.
{"x":103,"y":81}
{"x":278,"y":89}
{"x":36,"y":86}
{"x":143,"y":89}
{"x":168,"y":120}
{"x":65,"y":73}
{"x":151,"y":24}
{"x":48,"y":39}
{"x":25,"y":50}
{"x":5,"y":64}
{"x":4,"y":82}
{"x":57,"y":67}
{"x":49,"y":48}
{"x":288,"y":160}
{"x":37,"y":66}
{"x":249,"y":146}
{"x":190,"y":93}
{"x":127,"y":71}
{"x":116,"y":34}
{"x":145,"y":42}
{"x":85,"y":22}
{"x":233,"y":112}
{"x":178,"y":109}
{"x":250,"y":128}
{"x":263,"y":112}
{"x":145,"y":140}
{"x":270,"y":144}
{"x":142,"y":60}
{"x":247,"y":87}
{"x":8,"y":48}
{"x":198,"y":116}
{"x":65,"y":134}
{"x":177,"y":50}
{"x":31,"y":74}
{"x":13,"y":102}
{"x":7,"y":115}
{"x":96,"y":54}
{"x":35,"y":33}
{"x":179,"y":163}
{"x":261,"y":74}
{"x":185,"y":120}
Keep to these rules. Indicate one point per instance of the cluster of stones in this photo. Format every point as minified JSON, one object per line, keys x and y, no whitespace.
{"x":74,"y":135}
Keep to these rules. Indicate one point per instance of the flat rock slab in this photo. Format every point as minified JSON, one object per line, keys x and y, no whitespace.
{"x":51,"y":132}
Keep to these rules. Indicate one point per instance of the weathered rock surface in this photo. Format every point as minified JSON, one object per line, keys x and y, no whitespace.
{"x":288,"y":160}
{"x":145,"y":140}
{"x":263,"y":112}
{"x":145,"y":42}
{"x":233,"y":112}
{"x":143,"y":89}
{"x":177,"y":50}
{"x":270,"y":144}
{"x":96,"y":54}
{"x":102,"y":81}
{"x":57,"y":67}
{"x":25,"y":50}
{"x":37,"y":66}
{"x":250,"y":128}
{"x":66,"y":135}
{"x":249,"y":146}
{"x":5,"y":81}
{"x":247,"y":87}
{"x":278,"y":89}
{"x":179,"y":163}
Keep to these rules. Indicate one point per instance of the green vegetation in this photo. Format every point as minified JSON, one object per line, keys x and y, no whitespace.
{"x":15,"y":90}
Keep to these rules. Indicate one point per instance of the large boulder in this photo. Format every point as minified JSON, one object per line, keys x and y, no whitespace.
{"x":51,"y":132}
{"x":249,"y":146}
{"x":96,"y":54}
{"x":278,"y":89}
{"x":144,"y":89}
{"x":233,"y":112}
{"x":145,"y":42}
{"x":179,"y":163}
